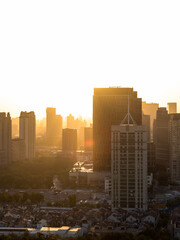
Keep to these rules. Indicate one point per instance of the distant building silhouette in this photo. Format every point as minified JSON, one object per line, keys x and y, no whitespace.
{"x":109,"y":108}
{"x":78,"y":124}
{"x":27,"y":132}
{"x":59,"y":123}
{"x":69,"y":140}
{"x":161,"y":137}
{"x":53,"y":127}
{"x":70,"y":122}
{"x":5,"y":138}
{"x":50,"y":122}
{"x":150,"y":109}
{"x":41,"y":127}
{"x":146,"y":122}
{"x":174,"y":146}
{"x":18,"y":149}
{"x":172,"y":108}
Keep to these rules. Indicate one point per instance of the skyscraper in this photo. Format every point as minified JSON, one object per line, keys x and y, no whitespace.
{"x":59,"y":122}
{"x":27,"y":131}
{"x":18,"y":149}
{"x":161,"y":138}
{"x":109,"y":108}
{"x":150,"y":109}
{"x":5,"y":138}
{"x":129,"y":166}
{"x":146,"y":122}
{"x":174,"y":146}
{"x":70,"y":122}
{"x":172,"y":108}
{"x":53,"y":127}
{"x":50,"y":122}
{"x":69,"y":140}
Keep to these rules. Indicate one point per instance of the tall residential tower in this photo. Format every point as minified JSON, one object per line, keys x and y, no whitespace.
{"x":5,"y":138}
{"x":53,"y":127}
{"x":27,"y":132}
{"x":174,"y":146}
{"x":129,"y":166}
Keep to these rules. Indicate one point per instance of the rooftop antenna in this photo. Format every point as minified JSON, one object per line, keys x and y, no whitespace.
{"x":128,"y":116}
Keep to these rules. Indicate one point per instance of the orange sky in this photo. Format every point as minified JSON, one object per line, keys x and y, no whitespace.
{"x":55,"y":53}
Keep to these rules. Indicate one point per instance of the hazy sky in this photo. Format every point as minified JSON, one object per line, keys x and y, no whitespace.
{"x":53,"y":53}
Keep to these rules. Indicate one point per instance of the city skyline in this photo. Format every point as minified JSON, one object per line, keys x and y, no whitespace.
{"x":57,"y":57}
{"x":40,"y":115}
{"x":90,"y":119}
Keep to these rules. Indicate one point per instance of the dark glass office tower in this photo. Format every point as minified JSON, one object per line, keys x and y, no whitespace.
{"x":110,"y":106}
{"x":161,"y":137}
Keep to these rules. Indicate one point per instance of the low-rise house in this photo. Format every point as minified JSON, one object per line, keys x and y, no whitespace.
{"x":132,"y":219}
{"x":151,"y":217}
{"x":74,"y":232}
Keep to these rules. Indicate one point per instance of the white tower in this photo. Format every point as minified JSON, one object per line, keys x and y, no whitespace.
{"x":129,"y":164}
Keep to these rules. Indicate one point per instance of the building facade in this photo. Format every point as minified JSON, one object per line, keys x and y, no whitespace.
{"x":151,"y":157}
{"x":70,"y":122}
{"x":109,"y":108}
{"x":146,"y":122}
{"x":5,"y":138}
{"x":54,"y":125}
{"x":129,"y":166}
{"x":174,"y":146}
{"x":172,"y":108}
{"x":161,"y":125}
{"x":27,"y":132}
{"x":69,"y":140}
{"x":150,"y":109}
{"x":18,"y":149}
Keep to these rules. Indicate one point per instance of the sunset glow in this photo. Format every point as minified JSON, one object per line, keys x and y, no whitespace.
{"x":56,"y":54}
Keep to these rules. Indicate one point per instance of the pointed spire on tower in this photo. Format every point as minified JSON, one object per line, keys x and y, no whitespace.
{"x":128,"y":119}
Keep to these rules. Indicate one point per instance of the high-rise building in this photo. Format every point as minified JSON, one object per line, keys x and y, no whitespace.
{"x":15,"y":127}
{"x":146,"y":122}
{"x":69,"y":140}
{"x":129,"y":166}
{"x":150,"y":109}
{"x":109,"y":108}
{"x":172,"y":108}
{"x":59,"y":122}
{"x":18,"y":149}
{"x":27,"y":132}
{"x":174,"y":146}
{"x":77,"y":123}
{"x":88,"y":139}
{"x":5,"y":138}
{"x":161,"y":138}
{"x":53,"y":127}
{"x":151,"y":160}
{"x":50,"y":122}
{"x":70,"y":122}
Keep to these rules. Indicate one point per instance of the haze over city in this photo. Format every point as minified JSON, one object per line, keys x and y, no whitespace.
{"x":54,"y":54}
{"x":90,"y":120}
